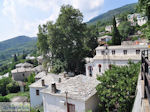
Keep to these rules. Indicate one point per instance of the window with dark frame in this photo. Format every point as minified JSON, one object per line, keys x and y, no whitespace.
{"x":137,"y":51}
{"x":102,"y":52}
{"x":113,"y":52}
{"x":124,"y":51}
{"x":37,"y":92}
{"x":70,"y":107}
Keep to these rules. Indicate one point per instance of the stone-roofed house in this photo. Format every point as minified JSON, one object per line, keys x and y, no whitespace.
{"x":19,"y":74}
{"x":38,"y":69}
{"x":77,"y":94}
{"x":22,"y":71}
{"x":40,"y":75}
{"x":44,"y":82}
{"x":24,"y":65}
{"x":116,"y":55}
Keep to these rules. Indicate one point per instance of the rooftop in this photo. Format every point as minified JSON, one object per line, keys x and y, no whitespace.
{"x":24,"y":65}
{"x":22,"y":70}
{"x":123,"y":47}
{"x":41,"y":74}
{"x":79,"y":87}
{"x":48,"y":80}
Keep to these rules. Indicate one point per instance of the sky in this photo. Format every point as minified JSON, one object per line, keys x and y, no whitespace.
{"x":22,"y":17}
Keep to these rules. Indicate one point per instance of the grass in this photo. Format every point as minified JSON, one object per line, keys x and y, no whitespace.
{"x":12,"y":95}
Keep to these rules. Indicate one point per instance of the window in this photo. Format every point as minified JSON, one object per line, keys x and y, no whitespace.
{"x":113,"y":52}
{"x":137,"y":51}
{"x":110,"y":66}
{"x":102,"y":52}
{"x":23,"y":75}
{"x":99,"y":66}
{"x":90,"y":70}
{"x":37,"y":92}
{"x":125,"y":51}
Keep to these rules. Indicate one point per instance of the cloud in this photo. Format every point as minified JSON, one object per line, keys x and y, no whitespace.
{"x":49,"y":8}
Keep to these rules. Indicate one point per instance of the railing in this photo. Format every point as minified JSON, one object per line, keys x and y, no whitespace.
{"x":145,"y":74}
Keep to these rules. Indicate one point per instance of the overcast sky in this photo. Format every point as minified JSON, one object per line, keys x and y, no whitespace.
{"x":22,"y":17}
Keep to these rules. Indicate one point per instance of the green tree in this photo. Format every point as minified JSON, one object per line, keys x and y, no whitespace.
{"x":13,"y":87}
{"x":126,"y":29}
{"x":116,"y":37}
{"x":15,"y":59}
{"x":144,"y":6}
{"x":117,"y":87}
{"x":3,"y":85}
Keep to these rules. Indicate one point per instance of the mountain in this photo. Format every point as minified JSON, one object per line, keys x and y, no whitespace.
{"x":130,"y":8}
{"x":16,"y":45}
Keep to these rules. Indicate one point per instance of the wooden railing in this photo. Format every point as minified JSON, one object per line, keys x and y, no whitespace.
{"x":145,"y":74}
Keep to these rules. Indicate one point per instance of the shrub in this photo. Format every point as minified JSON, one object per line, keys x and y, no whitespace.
{"x":13,"y":87}
{"x":116,"y":91}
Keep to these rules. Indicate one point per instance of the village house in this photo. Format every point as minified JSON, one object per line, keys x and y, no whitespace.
{"x":109,"y":28}
{"x":40,"y":75}
{"x":22,"y":71}
{"x":38,"y":69}
{"x":77,"y":94}
{"x":104,"y":39}
{"x":24,"y":65}
{"x":137,"y":18}
{"x":20,"y":74}
{"x":116,"y":55}
{"x":42,"y":82}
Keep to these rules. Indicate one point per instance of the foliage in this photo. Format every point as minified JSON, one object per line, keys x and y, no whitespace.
{"x":12,"y":95}
{"x":13,"y":87}
{"x":116,"y":37}
{"x":144,"y":6}
{"x":126,"y":29}
{"x":4,"y":99}
{"x":3,"y":85}
{"x":30,"y":80}
{"x":117,"y":88}
{"x":67,"y":41}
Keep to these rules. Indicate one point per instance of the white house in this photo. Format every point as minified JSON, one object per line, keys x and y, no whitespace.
{"x":117,"y":55}
{"x":36,"y":87}
{"x":109,"y":28}
{"x":142,"y":20}
{"x":77,"y":94}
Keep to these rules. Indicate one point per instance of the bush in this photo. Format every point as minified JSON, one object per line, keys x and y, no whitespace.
{"x":4,"y":99}
{"x":13,"y":87}
{"x":116,"y":91}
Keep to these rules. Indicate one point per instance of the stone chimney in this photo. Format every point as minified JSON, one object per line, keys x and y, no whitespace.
{"x":43,"y":82}
{"x":59,"y":80}
{"x":53,"y":88}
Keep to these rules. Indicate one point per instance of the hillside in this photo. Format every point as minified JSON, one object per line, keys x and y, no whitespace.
{"x":130,"y":8}
{"x":16,"y":45}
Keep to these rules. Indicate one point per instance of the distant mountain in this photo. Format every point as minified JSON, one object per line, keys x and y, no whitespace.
{"x":130,"y":8}
{"x":16,"y":45}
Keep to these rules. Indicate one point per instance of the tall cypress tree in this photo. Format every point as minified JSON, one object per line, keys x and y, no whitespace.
{"x":116,"y":37}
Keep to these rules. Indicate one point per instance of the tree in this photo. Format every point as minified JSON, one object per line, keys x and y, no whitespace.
{"x":116,"y":37}
{"x":117,"y":87}
{"x":15,"y":59}
{"x":64,"y":40}
{"x":13,"y":87}
{"x":126,"y":29}
{"x":144,"y":6}
{"x":91,"y":39}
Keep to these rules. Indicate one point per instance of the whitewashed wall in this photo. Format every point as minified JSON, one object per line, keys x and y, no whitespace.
{"x":53,"y":104}
{"x":35,"y":100}
{"x":92,"y":103}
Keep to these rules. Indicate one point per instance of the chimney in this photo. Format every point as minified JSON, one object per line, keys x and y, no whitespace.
{"x":59,"y":80}
{"x":43,"y":83}
{"x":53,"y":88}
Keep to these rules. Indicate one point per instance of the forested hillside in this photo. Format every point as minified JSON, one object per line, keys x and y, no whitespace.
{"x":16,"y":45}
{"x":131,"y":8}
